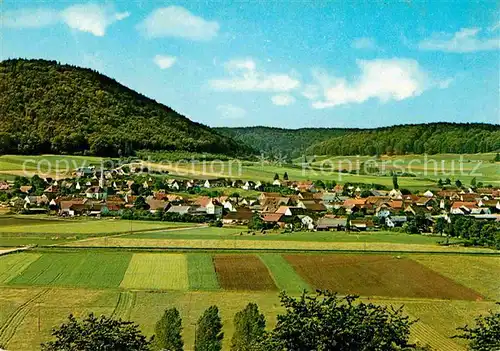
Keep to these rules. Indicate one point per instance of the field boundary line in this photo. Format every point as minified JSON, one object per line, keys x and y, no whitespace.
{"x":8,"y":329}
{"x":120,"y":234}
{"x":256,"y":250}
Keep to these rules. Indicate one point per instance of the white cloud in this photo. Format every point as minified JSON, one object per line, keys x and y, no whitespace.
{"x":364,"y":44}
{"x":176,"y":21}
{"x":164,"y":61}
{"x":283,"y":100}
{"x":231,"y":111}
{"x":244,"y":76}
{"x":385,"y":80}
{"x":29,"y":18}
{"x":243,"y":64}
{"x":91,"y":18}
{"x":465,"y":40}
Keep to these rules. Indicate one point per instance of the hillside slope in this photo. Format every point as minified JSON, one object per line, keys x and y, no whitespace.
{"x":50,"y":107}
{"x":287,"y":142}
{"x":431,"y":138}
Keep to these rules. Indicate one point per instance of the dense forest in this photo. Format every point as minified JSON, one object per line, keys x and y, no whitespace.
{"x":50,"y":107}
{"x":285,"y":142}
{"x":429,"y":138}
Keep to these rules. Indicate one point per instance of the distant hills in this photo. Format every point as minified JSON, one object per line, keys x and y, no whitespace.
{"x":287,"y":142}
{"x":47,"y":107}
{"x":428,"y":138}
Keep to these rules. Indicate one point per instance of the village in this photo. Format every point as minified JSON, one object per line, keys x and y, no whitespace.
{"x":278,"y":204}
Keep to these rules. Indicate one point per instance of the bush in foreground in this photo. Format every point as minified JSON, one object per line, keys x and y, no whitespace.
{"x":327,"y":322}
{"x":97,"y":333}
{"x":485,"y":335}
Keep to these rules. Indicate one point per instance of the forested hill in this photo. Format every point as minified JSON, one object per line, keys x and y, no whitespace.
{"x":50,"y":107}
{"x":429,"y":138}
{"x":287,"y":142}
{"x":414,"y":138}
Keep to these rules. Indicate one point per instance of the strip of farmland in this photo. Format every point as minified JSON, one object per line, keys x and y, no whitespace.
{"x":242,"y":272}
{"x":201,"y":272}
{"x":377,"y":275}
{"x":156,"y":271}
{"x":92,"y":270}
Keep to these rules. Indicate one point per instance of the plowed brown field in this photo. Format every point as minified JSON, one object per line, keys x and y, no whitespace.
{"x":242,"y":272}
{"x":377,"y":275}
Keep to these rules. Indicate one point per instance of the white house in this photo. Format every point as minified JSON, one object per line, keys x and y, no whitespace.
{"x":395,"y":194}
{"x":307,"y":222}
{"x":395,"y":221}
{"x":429,"y":193}
{"x":213,"y":208}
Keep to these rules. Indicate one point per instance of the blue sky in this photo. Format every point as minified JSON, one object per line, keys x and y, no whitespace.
{"x":279,"y":63}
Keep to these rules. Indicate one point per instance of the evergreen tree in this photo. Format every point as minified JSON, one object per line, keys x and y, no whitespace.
{"x":458,"y":183}
{"x":168,"y":331}
{"x":285,"y":176}
{"x":395,"y":181}
{"x":209,"y":333}
{"x":249,"y":327}
{"x":276,"y":176}
{"x":440,"y":183}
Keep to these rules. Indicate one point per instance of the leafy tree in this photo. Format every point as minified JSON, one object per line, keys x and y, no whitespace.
{"x":447,"y":181}
{"x":209,"y":333}
{"x":497,"y":157}
{"x":285,"y":176}
{"x":319,"y":184}
{"x":485,"y":335}
{"x":256,"y":223}
{"x":440,"y":183}
{"x":458,"y":183}
{"x":97,"y":333}
{"x":473,"y":182}
{"x":325,"y":321}
{"x":440,"y":225}
{"x":141,"y":204}
{"x":249,"y":325}
{"x":168,"y":331}
{"x":395,"y":181}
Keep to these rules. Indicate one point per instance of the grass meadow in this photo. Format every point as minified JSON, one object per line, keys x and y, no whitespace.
{"x":46,"y":231}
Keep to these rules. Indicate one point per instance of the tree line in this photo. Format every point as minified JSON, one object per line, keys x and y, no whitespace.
{"x":322,"y":321}
{"x":430,"y":138}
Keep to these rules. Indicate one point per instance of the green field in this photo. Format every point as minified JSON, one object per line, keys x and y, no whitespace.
{"x":284,"y":275}
{"x":201,"y":272}
{"x":156,"y":271}
{"x":47,"y":165}
{"x":42,"y":288}
{"x":44,"y":231}
{"x":241,"y":233}
{"x":87,"y":269}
